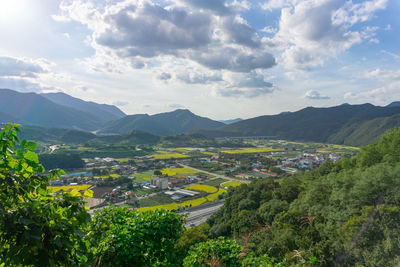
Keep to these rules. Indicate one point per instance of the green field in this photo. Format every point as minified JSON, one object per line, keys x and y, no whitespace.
{"x":231,"y":184}
{"x":178,"y":171}
{"x":251,"y":150}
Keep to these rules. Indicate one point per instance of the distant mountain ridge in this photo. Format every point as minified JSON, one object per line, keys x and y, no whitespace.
{"x":168,"y":123}
{"x":34,"y":109}
{"x":313,"y":124}
{"x":230,"y":121}
{"x":102,"y":112}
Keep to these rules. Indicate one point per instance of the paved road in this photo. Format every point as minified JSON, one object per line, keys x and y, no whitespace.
{"x":215,"y":174}
{"x":201,"y":214}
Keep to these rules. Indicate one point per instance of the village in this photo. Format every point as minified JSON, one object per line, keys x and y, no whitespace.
{"x":177,"y":180}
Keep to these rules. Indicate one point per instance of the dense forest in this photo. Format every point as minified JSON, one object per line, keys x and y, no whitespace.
{"x":342,"y":214}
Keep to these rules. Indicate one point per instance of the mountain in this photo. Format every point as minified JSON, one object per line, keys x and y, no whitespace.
{"x":34,"y":109}
{"x":102,"y":112}
{"x":175,"y":122}
{"x":230,"y":121}
{"x":362,"y":133}
{"x":394,"y":104}
{"x":309,"y":124}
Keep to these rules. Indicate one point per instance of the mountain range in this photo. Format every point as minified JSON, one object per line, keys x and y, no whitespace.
{"x":169,"y":123}
{"x":344,"y":124}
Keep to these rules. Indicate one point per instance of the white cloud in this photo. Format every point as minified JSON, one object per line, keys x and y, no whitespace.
{"x":315,"y":95}
{"x":148,"y":35}
{"x":314,"y":31}
{"x":20,"y":67}
{"x":120,"y":103}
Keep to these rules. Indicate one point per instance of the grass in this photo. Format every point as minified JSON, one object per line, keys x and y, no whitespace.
{"x":215,"y":182}
{"x":214,"y":197}
{"x":168,"y":155}
{"x":251,"y":150}
{"x":82,"y":187}
{"x":231,"y":184}
{"x":144,"y":175}
{"x":174,"y":206}
{"x":203,"y":188}
{"x":178,"y":171}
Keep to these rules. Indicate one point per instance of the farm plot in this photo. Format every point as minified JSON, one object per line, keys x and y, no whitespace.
{"x":251,"y":150}
{"x":202,"y":188}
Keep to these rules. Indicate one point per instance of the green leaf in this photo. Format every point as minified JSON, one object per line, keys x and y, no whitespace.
{"x":31,"y":156}
{"x":31,"y":145}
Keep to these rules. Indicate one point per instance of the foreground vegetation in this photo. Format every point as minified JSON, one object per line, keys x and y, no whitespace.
{"x":343,"y":213}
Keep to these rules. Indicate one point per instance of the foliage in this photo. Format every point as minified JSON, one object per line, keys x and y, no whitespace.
{"x":220,"y":252}
{"x":32,"y":220}
{"x":343,"y":213}
{"x":122,"y":237}
{"x":63,"y":161}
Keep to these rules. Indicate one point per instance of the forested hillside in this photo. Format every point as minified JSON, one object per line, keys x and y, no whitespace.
{"x":344,"y":124}
{"x":344,"y":213}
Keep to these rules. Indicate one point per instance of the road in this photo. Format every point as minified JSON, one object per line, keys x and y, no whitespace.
{"x":200,"y":214}
{"x":214,"y":174}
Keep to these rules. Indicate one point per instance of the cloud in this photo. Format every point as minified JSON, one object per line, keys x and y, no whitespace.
{"x":275,"y":4}
{"x":312,"y":32}
{"x":198,"y":77}
{"x":15,"y":67}
{"x":351,"y":13}
{"x":21,"y":84}
{"x":176,"y":106}
{"x":136,"y":30}
{"x":120,"y":103}
{"x":315,"y":95}
{"x":164,"y":76}
{"x":249,"y":85}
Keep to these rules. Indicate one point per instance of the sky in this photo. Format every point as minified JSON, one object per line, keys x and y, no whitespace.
{"x":220,"y":59}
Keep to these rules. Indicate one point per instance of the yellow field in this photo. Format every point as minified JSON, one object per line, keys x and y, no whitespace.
{"x":84,"y":148}
{"x":114,"y":175}
{"x":167,"y":155}
{"x":251,"y":150}
{"x":231,"y":184}
{"x":174,"y":206}
{"x":202,"y":187}
{"x":323,"y":151}
{"x":81,"y":187}
{"x":124,"y":160}
{"x":177,"y":171}
{"x":346,"y":147}
{"x":214,"y":197}
{"x":144,"y":175}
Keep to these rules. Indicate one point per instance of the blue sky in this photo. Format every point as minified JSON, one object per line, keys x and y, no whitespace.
{"x":220,"y":59}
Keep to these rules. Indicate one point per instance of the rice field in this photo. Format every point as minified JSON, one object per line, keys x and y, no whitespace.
{"x":144,"y":175}
{"x":202,"y":188}
{"x":177,"y":171}
{"x":251,"y":150}
{"x":174,"y":206}
{"x":214,"y":197}
{"x":81,"y":187}
{"x":168,"y":155}
{"x":231,"y":184}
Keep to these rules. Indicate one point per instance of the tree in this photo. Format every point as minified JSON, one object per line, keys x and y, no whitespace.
{"x":36,"y":227}
{"x":122,"y":237}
